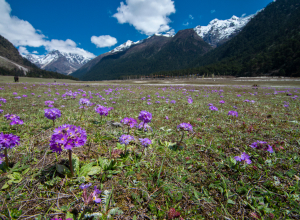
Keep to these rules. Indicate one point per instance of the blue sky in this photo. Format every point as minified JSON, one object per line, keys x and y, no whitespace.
{"x":93,"y":27}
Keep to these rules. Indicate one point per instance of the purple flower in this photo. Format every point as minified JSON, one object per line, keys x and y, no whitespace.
{"x":126,"y":139}
{"x":145,"y":116}
{"x":67,"y":137}
{"x":84,"y":186}
{"x":144,"y":126}
{"x":1,"y":111}
{"x":8,"y":141}
{"x":243,"y":157}
{"x":185,"y":127}
{"x":92,"y":197}
{"x":102,"y":110}
{"x":190,"y":100}
{"x":247,"y":100}
{"x":262,"y":145}
{"x":95,"y":194}
{"x":167,"y":118}
{"x":52,"y":113}
{"x":233,"y":113}
{"x":238,"y":95}
{"x":49,"y":102}
{"x":85,"y":102}
{"x":173,"y":101}
{"x":222,"y":101}
{"x":149,"y":103}
{"x":145,"y":142}
{"x":131,"y":122}
{"x":14,"y":119}
{"x":3,"y":100}
{"x":213,"y":108}
{"x":24,"y":96}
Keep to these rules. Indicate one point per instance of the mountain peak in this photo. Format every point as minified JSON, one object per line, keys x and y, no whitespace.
{"x":218,"y":31}
{"x":64,"y":63}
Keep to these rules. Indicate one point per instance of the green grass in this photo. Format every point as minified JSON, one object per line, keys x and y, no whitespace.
{"x":199,"y":178}
{"x":10,"y":79}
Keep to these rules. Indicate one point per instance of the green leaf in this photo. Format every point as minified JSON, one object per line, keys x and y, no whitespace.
{"x":229,"y":201}
{"x":5,"y":186}
{"x":86,"y":168}
{"x":94,"y":170}
{"x":62,"y":169}
{"x":25,"y":171}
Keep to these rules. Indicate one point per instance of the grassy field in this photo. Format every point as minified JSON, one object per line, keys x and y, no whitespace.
{"x":194,"y":174}
{"x":10,"y":79}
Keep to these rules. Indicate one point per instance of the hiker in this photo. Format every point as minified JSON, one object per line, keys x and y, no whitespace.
{"x":16,"y":79}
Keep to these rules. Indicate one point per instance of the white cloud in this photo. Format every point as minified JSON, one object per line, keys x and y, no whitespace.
{"x":186,"y":24}
{"x":147,"y":16}
{"x":21,"y":33}
{"x":35,"y":52}
{"x":103,"y":41}
{"x":191,"y":17}
{"x":23,"y":50}
{"x":213,"y":11}
{"x":243,"y":15}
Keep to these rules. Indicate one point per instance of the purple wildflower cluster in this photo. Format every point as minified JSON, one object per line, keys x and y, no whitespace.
{"x":185,"y":127}
{"x":126,"y":139}
{"x":262,"y":145}
{"x":84,"y":102}
{"x":92,"y":197}
{"x":15,"y":120}
{"x":8,"y":141}
{"x":190,"y":100}
{"x":67,"y":136}
{"x":130,"y":122}
{"x":243,"y":157}
{"x":102,"y":110}
{"x":213,"y":108}
{"x":52,"y":113}
{"x":233,"y":113}
{"x":3,"y":100}
{"x":145,"y":116}
{"x":145,"y":142}
{"x":49,"y":103}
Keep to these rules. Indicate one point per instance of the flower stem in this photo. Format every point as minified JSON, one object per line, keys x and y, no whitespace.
{"x":6,"y":157}
{"x":181,"y":139}
{"x":70,"y":163}
{"x":53,"y":124}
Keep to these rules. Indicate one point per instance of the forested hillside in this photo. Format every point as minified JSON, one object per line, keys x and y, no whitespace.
{"x":268,"y":45}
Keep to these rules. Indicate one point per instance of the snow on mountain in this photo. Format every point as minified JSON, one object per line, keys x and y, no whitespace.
{"x":44,"y":60}
{"x":220,"y":30}
{"x":124,"y":46}
{"x":58,"y":61}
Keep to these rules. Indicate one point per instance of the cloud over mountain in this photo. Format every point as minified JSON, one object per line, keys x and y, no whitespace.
{"x":21,"y":33}
{"x":147,"y":16}
{"x":103,"y":41}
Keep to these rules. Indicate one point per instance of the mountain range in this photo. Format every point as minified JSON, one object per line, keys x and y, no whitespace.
{"x":267,"y":43}
{"x":12,"y":63}
{"x":161,"y":51}
{"x":217,"y":32}
{"x":57,"y":61}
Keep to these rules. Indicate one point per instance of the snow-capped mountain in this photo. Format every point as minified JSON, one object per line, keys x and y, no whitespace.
{"x":219,"y":31}
{"x":124,"y":46}
{"x":57,"y":61}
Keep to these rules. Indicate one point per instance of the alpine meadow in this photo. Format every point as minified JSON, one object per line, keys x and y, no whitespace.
{"x":149,"y":109}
